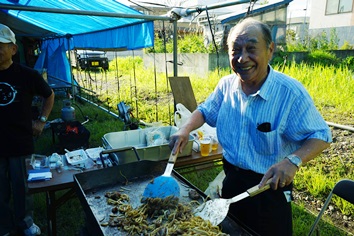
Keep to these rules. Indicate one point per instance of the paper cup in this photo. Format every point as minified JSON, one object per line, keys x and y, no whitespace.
{"x":205,"y":146}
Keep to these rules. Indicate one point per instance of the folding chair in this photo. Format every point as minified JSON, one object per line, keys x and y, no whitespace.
{"x":344,"y":189}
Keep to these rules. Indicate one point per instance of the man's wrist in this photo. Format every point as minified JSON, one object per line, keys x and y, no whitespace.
{"x":295,"y":160}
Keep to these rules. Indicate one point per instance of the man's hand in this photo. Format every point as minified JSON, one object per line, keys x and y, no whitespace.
{"x":179,"y":140}
{"x":37,"y":127}
{"x":282,"y":174}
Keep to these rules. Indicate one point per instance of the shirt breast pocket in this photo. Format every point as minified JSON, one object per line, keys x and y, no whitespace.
{"x":266,"y":143}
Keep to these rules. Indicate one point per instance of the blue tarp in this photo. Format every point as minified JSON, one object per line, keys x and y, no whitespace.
{"x":59,"y":31}
{"x":57,"y":69}
{"x":87,"y":31}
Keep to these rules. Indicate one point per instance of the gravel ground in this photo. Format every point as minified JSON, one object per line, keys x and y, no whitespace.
{"x":342,"y":149}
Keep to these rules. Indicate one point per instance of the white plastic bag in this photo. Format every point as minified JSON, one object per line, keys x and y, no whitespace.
{"x":214,"y":189}
{"x":155,"y":138}
{"x":181,"y":115}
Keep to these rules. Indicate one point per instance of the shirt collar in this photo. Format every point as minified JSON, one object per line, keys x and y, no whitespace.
{"x":265,"y":90}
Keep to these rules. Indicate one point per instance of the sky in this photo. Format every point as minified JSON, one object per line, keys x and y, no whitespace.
{"x":296,"y":7}
{"x":299,"y":4}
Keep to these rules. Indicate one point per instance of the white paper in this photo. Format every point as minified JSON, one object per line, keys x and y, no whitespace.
{"x":38,"y":175}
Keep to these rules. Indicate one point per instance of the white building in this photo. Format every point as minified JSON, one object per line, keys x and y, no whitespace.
{"x":327,"y":15}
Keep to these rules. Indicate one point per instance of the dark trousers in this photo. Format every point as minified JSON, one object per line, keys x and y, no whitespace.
{"x":13,"y":182}
{"x":267,"y":214}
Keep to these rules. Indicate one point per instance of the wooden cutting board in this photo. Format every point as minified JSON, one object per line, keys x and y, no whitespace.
{"x":183,"y":92}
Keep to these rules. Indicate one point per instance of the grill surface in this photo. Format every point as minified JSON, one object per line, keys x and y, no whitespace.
{"x":131,"y":179}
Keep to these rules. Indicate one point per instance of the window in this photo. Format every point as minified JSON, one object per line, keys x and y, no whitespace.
{"x":338,"y":6}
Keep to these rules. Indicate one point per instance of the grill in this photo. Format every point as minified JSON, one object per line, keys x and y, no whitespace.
{"x":91,"y":187}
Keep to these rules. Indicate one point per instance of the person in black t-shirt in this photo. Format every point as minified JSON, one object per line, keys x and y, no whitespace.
{"x":18,"y":85}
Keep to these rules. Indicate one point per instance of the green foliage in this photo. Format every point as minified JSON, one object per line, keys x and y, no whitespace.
{"x":321,"y":57}
{"x":192,"y":44}
{"x":189,"y":43}
{"x":329,"y":86}
{"x":346,"y":46}
{"x":296,"y":47}
{"x":293,"y":43}
{"x":344,"y":206}
{"x":202,"y":178}
{"x":333,"y":40}
{"x":280,"y":58}
{"x":160,"y":46}
{"x":349,"y":62}
{"x":318,"y":42}
{"x":303,"y":220}
{"x":125,"y":65}
{"x":323,"y":42}
{"x":315,"y":182}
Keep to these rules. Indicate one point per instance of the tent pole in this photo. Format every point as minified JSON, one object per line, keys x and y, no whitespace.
{"x":213,"y":6}
{"x":179,"y":11}
{"x":175,"y":73}
{"x":81,"y":12}
{"x":68,"y":36}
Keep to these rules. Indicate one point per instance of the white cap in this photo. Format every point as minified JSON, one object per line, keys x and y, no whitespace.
{"x":6,"y":35}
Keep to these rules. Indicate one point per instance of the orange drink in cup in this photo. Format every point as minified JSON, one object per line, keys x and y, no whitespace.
{"x":205,"y":146}
{"x":214,"y":143}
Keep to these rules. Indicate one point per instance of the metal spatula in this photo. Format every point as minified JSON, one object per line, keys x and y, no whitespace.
{"x":164,"y":185}
{"x":216,"y":210}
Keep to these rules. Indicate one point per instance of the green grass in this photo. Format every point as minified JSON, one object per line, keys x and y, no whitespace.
{"x":330,"y":86}
{"x":150,"y":97}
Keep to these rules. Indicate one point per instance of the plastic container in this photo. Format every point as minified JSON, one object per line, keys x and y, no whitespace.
{"x":39,"y":161}
{"x":138,"y":139}
{"x":76,"y":157}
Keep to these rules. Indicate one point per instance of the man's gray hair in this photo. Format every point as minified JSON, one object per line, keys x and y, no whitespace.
{"x":266,"y":32}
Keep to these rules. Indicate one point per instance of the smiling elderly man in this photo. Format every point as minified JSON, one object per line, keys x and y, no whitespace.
{"x":267,"y":125}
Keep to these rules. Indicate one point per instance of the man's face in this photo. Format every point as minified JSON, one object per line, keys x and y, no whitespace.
{"x":249,"y":55}
{"x":7,"y":50}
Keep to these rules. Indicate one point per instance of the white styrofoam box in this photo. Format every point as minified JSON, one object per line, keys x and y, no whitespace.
{"x":76,"y":157}
{"x":94,"y":153}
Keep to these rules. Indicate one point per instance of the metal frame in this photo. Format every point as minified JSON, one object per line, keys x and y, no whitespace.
{"x":344,"y":189}
{"x":173,"y":16}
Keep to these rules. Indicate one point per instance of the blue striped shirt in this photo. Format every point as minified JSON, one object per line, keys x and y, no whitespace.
{"x":282,"y":101}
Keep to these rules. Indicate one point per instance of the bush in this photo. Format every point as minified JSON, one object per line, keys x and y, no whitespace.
{"x":346,"y":46}
{"x":125,"y":64}
{"x":320,"y":57}
{"x":190,"y":43}
{"x":349,"y":62}
{"x":280,"y":58}
{"x":320,"y":41}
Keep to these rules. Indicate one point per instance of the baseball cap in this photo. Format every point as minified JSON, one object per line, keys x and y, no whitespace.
{"x":6,"y":35}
